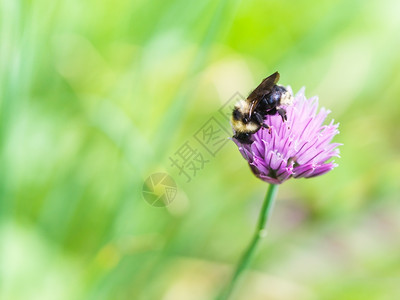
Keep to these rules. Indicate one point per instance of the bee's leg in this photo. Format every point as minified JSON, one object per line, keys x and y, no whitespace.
{"x":271,"y":112}
{"x":267,"y":127}
{"x":282,"y":113}
{"x":259,"y":117}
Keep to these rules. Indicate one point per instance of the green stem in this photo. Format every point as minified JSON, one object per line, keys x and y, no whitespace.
{"x":259,"y":234}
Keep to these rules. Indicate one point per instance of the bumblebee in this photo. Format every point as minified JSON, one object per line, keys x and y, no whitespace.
{"x":267,"y":99}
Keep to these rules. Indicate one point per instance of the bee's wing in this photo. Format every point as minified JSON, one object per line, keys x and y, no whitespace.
{"x":263,"y":89}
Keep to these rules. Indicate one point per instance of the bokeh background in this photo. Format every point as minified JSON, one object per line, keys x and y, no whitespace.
{"x":98,"y":95}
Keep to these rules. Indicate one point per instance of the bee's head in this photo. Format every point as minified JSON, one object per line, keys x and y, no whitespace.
{"x":241,"y":122}
{"x":241,"y":111}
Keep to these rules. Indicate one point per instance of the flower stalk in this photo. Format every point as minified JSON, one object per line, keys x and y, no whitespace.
{"x":258,"y":235}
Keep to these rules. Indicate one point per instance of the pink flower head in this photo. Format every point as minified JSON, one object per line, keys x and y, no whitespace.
{"x":299,"y":147}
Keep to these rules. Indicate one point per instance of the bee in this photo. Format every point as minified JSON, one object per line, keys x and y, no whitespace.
{"x":248,"y":115}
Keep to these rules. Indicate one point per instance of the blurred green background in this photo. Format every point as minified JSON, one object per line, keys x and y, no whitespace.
{"x":98,"y":95}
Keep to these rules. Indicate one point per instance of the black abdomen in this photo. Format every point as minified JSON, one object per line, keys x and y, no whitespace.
{"x":272,"y":99}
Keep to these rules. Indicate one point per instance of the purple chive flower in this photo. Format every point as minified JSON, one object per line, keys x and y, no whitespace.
{"x":297,"y":148}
